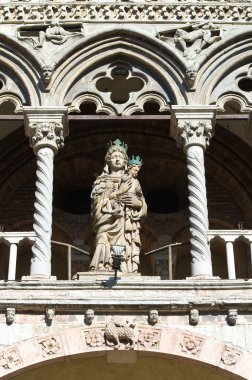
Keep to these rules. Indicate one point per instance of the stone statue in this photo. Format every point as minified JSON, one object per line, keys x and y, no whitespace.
{"x":89,"y":317}
{"x":153,"y":317}
{"x":117,"y":208}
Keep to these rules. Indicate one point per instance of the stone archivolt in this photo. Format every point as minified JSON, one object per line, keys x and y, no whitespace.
{"x":76,"y":341}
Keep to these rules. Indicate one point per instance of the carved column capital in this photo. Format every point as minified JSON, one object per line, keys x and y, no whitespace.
{"x":192,"y":125}
{"x":46,"y":127}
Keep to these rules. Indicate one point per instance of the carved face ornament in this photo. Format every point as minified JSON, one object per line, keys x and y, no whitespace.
{"x":153,"y":316}
{"x":89,"y":316}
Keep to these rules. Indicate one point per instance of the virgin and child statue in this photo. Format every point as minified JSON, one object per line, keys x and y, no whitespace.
{"x":118,"y":205}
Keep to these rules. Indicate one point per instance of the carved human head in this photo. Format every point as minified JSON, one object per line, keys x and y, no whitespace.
{"x":10,"y":315}
{"x":50,"y":313}
{"x":134,"y":165}
{"x":153,"y":317}
{"x":194,"y":316}
{"x":191,"y":74}
{"x":232,"y":316}
{"x":47,"y":71}
{"x":89,"y":316}
{"x":116,"y":148}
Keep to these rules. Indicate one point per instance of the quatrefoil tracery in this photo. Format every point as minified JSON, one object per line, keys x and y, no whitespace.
{"x":121,"y":83}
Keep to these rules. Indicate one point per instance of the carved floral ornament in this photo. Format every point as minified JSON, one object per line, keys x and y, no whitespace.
{"x":50,"y":346}
{"x":124,"y":12}
{"x":194,"y":132}
{"x":46,"y":134}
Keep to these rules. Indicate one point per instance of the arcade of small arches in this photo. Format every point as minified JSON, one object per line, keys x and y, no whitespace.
{"x":116,"y":77}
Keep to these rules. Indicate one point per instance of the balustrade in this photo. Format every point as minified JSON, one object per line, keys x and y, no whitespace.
{"x":16,"y":239}
{"x":230,"y":236}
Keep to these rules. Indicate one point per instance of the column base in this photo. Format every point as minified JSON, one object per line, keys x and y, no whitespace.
{"x":39,"y":277}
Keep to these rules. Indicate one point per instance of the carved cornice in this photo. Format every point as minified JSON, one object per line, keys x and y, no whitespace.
{"x":25,"y":12}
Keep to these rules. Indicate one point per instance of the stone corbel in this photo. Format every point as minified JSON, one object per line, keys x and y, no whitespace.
{"x":10,"y":315}
{"x":50,"y":314}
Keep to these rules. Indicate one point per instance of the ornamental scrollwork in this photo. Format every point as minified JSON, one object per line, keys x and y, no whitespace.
{"x":157,"y":12}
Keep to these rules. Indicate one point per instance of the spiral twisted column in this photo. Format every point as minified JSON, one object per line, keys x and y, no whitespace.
{"x":193,"y":133}
{"x":46,"y":130}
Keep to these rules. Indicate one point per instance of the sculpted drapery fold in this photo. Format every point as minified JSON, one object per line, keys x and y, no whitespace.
{"x":117,"y":208}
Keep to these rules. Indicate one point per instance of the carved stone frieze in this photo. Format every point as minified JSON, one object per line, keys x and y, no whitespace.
{"x":50,"y":346}
{"x":230,"y":356}
{"x":125,"y":12}
{"x":118,"y":333}
{"x":94,"y":338}
{"x":9,"y":359}
{"x":191,"y":345}
{"x":149,"y":339}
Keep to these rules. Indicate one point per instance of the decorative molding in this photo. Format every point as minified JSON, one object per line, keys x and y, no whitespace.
{"x":149,"y":339}
{"x":191,"y":345}
{"x":230,"y":356}
{"x":125,"y":12}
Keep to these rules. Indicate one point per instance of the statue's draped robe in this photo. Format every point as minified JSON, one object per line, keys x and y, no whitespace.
{"x":115,"y":223}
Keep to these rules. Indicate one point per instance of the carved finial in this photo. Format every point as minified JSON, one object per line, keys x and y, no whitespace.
{"x":89,"y":316}
{"x":153,"y":317}
{"x":50,"y":314}
{"x":10,"y":315}
{"x":232,"y":316}
{"x":194,"y":317}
